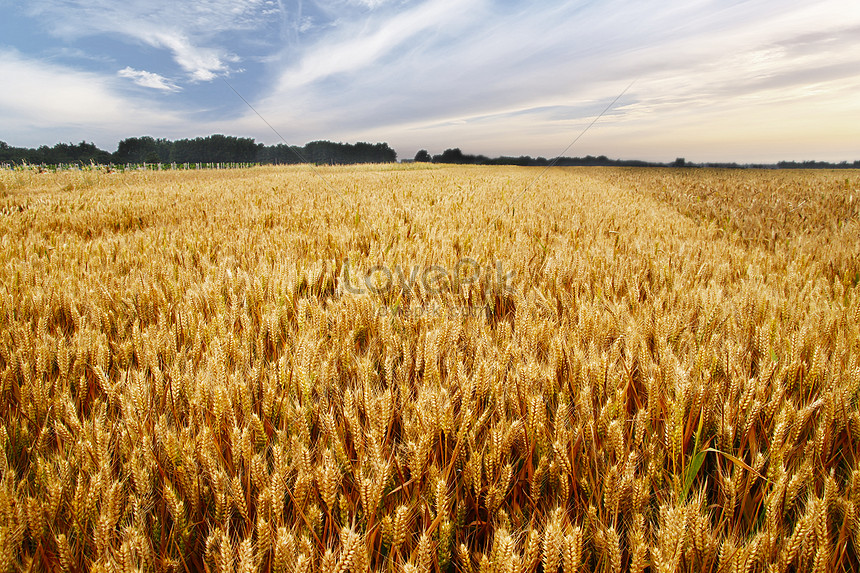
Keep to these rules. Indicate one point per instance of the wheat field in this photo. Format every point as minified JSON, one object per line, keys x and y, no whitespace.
{"x":384,"y":369}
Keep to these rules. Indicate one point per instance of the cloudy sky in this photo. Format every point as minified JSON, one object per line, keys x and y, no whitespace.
{"x":714,"y":80}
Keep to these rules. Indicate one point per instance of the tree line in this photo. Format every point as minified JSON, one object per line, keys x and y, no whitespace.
{"x":212,"y":149}
{"x":229,"y":149}
{"x":456,"y":156}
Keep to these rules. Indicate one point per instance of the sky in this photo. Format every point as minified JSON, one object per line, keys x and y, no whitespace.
{"x":745,"y":81}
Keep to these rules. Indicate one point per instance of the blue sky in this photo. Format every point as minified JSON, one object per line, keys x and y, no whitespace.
{"x":714,"y":80}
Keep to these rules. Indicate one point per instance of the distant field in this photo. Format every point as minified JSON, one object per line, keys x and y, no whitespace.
{"x":387,"y":370}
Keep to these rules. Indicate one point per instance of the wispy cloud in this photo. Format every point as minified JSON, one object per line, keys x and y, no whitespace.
{"x":189,"y":30}
{"x":348,"y":50}
{"x":148,"y":79}
{"x":44,"y":102}
{"x":201,"y":63}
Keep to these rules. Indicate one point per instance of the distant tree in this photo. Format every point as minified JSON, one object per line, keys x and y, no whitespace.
{"x":679,"y":162}
{"x":215,"y":149}
{"x":280,"y":154}
{"x":453,"y":155}
{"x":322,"y":152}
{"x":136,"y":150}
{"x":423,"y":156}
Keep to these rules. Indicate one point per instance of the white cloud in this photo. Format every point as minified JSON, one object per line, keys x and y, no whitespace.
{"x":352,"y":50}
{"x":186,"y":29}
{"x":202,"y":64}
{"x":148,"y":79}
{"x":370,"y":4}
{"x":41,"y":102}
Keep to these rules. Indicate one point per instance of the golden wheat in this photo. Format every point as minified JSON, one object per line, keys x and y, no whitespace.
{"x":202,"y":370}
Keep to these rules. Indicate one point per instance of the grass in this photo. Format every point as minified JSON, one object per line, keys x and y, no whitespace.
{"x":647,"y":370}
